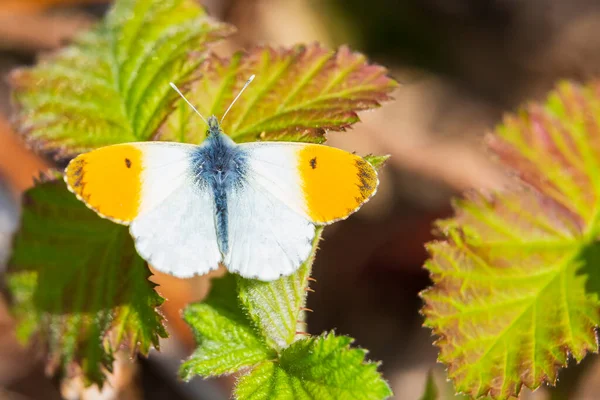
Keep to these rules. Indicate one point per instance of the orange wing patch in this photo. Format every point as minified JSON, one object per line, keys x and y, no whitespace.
{"x":108,"y":180}
{"x":335,"y":183}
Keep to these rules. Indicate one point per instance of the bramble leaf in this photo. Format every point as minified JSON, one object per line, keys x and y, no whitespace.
{"x":297,"y":94}
{"x":322,"y":367}
{"x":431,"y":390}
{"x":515,"y":290}
{"x":77,"y":279}
{"x":245,"y":321}
{"x":377,"y":161}
{"x":227,"y":341}
{"x":276,"y":307}
{"x":112,"y":84}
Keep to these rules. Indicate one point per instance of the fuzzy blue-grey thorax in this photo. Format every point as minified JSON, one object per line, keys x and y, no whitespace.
{"x":219,"y":165}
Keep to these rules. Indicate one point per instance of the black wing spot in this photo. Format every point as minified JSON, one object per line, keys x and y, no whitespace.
{"x":128,"y":162}
{"x":313,"y":162}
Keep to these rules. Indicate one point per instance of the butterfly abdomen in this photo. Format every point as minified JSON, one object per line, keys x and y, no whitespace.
{"x":221,"y":218}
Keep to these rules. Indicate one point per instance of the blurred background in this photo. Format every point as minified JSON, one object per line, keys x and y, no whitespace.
{"x":461,"y":65}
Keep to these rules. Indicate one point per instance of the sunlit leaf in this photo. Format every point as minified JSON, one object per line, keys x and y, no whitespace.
{"x":77,"y":280}
{"x":515,"y":290}
{"x":322,"y":367}
{"x":226,"y":339}
{"x":276,"y":307}
{"x":245,"y":321}
{"x":297,"y":94}
{"x":112,"y":84}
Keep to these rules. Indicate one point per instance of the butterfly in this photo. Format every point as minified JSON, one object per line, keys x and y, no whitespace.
{"x":252,"y":207}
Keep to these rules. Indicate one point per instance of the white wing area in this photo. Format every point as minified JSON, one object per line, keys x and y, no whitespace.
{"x":166,"y":169}
{"x":178,"y":236}
{"x":267,"y":239}
{"x":273,"y":166}
{"x":174,"y":230}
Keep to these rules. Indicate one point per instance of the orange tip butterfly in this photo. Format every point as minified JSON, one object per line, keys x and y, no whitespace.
{"x":252,"y":207}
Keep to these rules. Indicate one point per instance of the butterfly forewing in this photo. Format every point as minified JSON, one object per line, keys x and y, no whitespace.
{"x":324,"y":184}
{"x":267,"y":239}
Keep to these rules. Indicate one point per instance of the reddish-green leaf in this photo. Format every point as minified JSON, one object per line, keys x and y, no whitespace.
{"x":515,"y":290}
{"x":297,"y":94}
{"x":112,"y":84}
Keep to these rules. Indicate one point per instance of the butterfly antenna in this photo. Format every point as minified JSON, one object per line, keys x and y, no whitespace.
{"x":187,"y":101}
{"x":237,"y":97}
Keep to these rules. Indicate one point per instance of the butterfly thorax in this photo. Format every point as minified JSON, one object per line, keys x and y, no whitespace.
{"x":220,"y":165}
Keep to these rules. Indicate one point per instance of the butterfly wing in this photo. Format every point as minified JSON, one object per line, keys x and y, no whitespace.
{"x":151,"y":187}
{"x":287,"y":189}
{"x":178,"y":236}
{"x":322,"y":183}
{"x":267,"y":239}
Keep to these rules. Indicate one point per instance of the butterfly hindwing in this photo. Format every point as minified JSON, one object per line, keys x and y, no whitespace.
{"x":178,"y":235}
{"x":267,"y":239}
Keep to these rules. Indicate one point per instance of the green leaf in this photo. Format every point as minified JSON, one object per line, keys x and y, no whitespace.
{"x":276,"y":307}
{"x":77,"y":279}
{"x":515,"y":278}
{"x":377,"y":161}
{"x":431,"y":390}
{"x":227,"y":341}
{"x":322,"y":367}
{"x":112,"y":85}
{"x":297,"y":94}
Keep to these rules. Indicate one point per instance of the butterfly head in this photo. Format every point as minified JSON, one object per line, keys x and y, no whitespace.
{"x":214,"y":128}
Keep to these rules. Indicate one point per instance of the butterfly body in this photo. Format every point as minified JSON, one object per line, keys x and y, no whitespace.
{"x":252,"y":207}
{"x":219,"y":166}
